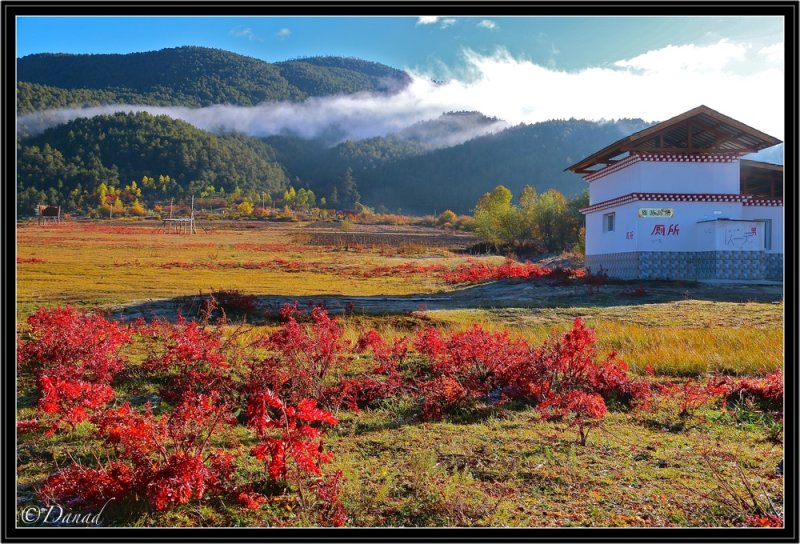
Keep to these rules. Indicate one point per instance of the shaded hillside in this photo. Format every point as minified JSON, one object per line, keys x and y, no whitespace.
{"x":411,"y":176}
{"x":455,"y":177}
{"x":190,"y":76}
{"x":68,"y":163}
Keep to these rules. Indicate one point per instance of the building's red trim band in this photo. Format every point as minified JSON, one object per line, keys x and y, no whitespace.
{"x":746,"y":200}
{"x":611,"y":168}
{"x":764,"y":202}
{"x":659,"y":157}
{"x":688,"y":157}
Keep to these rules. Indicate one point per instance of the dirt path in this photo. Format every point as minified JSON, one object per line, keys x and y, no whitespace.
{"x":499,"y":294}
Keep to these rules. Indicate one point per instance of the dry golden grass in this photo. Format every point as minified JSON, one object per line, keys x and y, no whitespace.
{"x":100,"y":264}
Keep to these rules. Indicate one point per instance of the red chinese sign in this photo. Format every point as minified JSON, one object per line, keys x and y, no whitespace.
{"x":661,"y":230}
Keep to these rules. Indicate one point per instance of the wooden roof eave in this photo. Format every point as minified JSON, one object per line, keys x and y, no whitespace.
{"x":625,"y":144}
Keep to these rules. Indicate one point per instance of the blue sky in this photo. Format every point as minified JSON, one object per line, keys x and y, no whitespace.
{"x":520,"y":69}
{"x":567,"y":43}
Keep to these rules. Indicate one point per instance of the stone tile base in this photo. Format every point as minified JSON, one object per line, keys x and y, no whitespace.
{"x":775,"y":266}
{"x":689,"y":265}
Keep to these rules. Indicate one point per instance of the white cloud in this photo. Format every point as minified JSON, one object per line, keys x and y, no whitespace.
{"x":654,"y":86}
{"x":443,"y":22}
{"x":244,"y":32}
{"x":680,"y":58}
{"x":487,"y":23}
{"x":283,"y":33}
{"x":773,"y":53}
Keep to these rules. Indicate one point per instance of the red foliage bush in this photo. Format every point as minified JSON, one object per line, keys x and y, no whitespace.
{"x":163,"y":457}
{"x":586,"y":409}
{"x":387,"y":356}
{"x":69,"y":344}
{"x":28,"y":426}
{"x":296,"y":436}
{"x":193,"y":358}
{"x":235,"y":301}
{"x":288,"y":433}
{"x":563,"y":376}
{"x":72,"y":401}
{"x":768,"y":391}
{"x":474,"y":272}
{"x":78,"y":486}
{"x":362,"y":391}
{"x":74,"y":356}
{"x":304,"y":356}
{"x":440,"y":394}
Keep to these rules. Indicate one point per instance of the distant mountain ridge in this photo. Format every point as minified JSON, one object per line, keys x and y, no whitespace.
{"x":445,"y":162}
{"x":191,"y":76}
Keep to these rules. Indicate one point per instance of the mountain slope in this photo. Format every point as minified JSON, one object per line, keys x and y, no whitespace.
{"x":455,"y":177}
{"x":68,"y":162}
{"x":190,"y":76}
{"x":413,"y":177}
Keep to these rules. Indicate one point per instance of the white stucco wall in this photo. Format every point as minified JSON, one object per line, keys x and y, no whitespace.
{"x":775,"y":213}
{"x":599,"y":242}
{"x":676,"y":233}
{"x":730,"y":235}
{"x":667,"y":177}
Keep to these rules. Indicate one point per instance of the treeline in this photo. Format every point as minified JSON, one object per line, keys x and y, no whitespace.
{"x":67,"y":164}
{"x":549,"y":219}
{"x":190,"y":76}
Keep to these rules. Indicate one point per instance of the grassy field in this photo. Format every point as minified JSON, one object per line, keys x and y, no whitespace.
{"x":495,"y":466}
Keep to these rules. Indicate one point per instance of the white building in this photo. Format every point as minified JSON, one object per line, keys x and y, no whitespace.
{"x":677,"y":201}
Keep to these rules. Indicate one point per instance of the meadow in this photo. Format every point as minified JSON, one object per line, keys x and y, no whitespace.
{"x":417,"y":380}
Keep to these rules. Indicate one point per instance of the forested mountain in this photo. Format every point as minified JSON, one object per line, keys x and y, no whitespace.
{"x":66,"y":164}
{"x":447,"y":162}
{"x":190,"y":76}
{"x":455,"y":177}
{"x":412,"y":177}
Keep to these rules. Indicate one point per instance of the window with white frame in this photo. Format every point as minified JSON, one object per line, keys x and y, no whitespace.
{"x":608,"y":221}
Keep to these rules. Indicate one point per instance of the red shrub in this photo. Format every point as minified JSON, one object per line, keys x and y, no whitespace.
{"x":474,"y":272}
{"x":168,"y":453}
{"x":78,"y":486}
{"x":71,"y":401}
{"x":388,"y":357}
{"x":768,"y":391}
{"x":441,"y":394}
{"x":177,"y":480}
{"x":329,"y":509}
{"x":361,"y":392}
{"x":250,"y":500}
{"x":28,"y":426}
{"x":69,"y":344}
{"x":586,"y":410}
{"x":193,"y":359}
{"x":296,"y":438}
{"x":477,"y":360}
{"x":305,"y":355}
{"x":234,"y":301}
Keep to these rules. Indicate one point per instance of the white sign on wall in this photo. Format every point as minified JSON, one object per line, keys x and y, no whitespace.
{"x":656,"y":212}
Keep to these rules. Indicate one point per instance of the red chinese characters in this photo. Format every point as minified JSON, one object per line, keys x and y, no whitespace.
{"x":662,"y":230}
